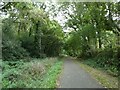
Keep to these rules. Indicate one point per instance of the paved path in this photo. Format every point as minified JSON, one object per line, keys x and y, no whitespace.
{"x":73,"y":76}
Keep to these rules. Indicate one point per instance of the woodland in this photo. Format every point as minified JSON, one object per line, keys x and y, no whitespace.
{"x":35,"y":40}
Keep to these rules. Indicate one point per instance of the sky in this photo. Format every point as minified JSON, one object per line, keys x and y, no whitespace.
{"x":61,"y":16}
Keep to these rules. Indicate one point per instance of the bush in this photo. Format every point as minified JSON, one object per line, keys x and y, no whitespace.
{"x":39,"y":73}
{"x":12,"y":50}
{"x":106,"y":59}
{"x":109,"y":52}
{"x":51,"y":45}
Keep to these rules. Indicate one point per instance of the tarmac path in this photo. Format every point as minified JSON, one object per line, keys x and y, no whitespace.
{"x":73,"y":76}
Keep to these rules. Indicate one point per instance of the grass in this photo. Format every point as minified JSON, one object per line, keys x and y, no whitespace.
{"x":104,"y":64}
{"x":34,"y":74}
{"x":51,"y":76}
{"x":106,"y":80}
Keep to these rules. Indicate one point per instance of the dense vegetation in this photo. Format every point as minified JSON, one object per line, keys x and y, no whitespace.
{"x":95,"y":34}
{"x":28,"y":32}
{"x":34,"y":74}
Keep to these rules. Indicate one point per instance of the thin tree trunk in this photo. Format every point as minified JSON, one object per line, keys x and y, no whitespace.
{"x":30,"y":32}
{"x":19,"y":28}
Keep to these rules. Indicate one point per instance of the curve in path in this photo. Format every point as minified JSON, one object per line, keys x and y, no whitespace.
{"x":73,"y":76}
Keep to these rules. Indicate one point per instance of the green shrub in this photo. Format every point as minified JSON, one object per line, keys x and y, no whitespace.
{"x":108,"y":64}
{"x":12,"y":50}
{"x":38,"y":73}
{"x":11,"y":46}
{"x":51,"y":45}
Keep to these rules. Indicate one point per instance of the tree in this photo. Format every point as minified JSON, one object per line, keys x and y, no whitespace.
{"x":33,"y":28}
{"x":90,"y":21}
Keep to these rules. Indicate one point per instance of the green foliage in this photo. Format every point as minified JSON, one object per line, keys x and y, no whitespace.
{"x":28,"y":31}
{"x":34,"y":74}
{"x":52,"y":39}
{"x":52,"y":45}
{"x":99,"y":73}
{"x":51,"y":76}
{"x":105,"y":63}
{"x":11,"y":49}
{"x":92,"y":36}
{"x":89,"y":20}
{"x":27,"y":43}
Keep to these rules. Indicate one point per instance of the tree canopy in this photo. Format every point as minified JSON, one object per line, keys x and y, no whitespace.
{"x":34,"y":29}
{"x":36,"y":35}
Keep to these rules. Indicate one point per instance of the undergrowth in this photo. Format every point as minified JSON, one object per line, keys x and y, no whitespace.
{"x":104,"y":64}
{"x":102,"y":77}
{"x":34,"y":74}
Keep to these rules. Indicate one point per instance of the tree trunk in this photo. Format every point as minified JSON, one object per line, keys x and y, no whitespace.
{"x":19,"y":29}
{"x":37,"y":40}
{"x":100,"y":43}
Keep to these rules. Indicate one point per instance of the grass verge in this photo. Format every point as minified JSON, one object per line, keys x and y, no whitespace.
{"x":101,"y":76}
{"x":34,"y":74}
